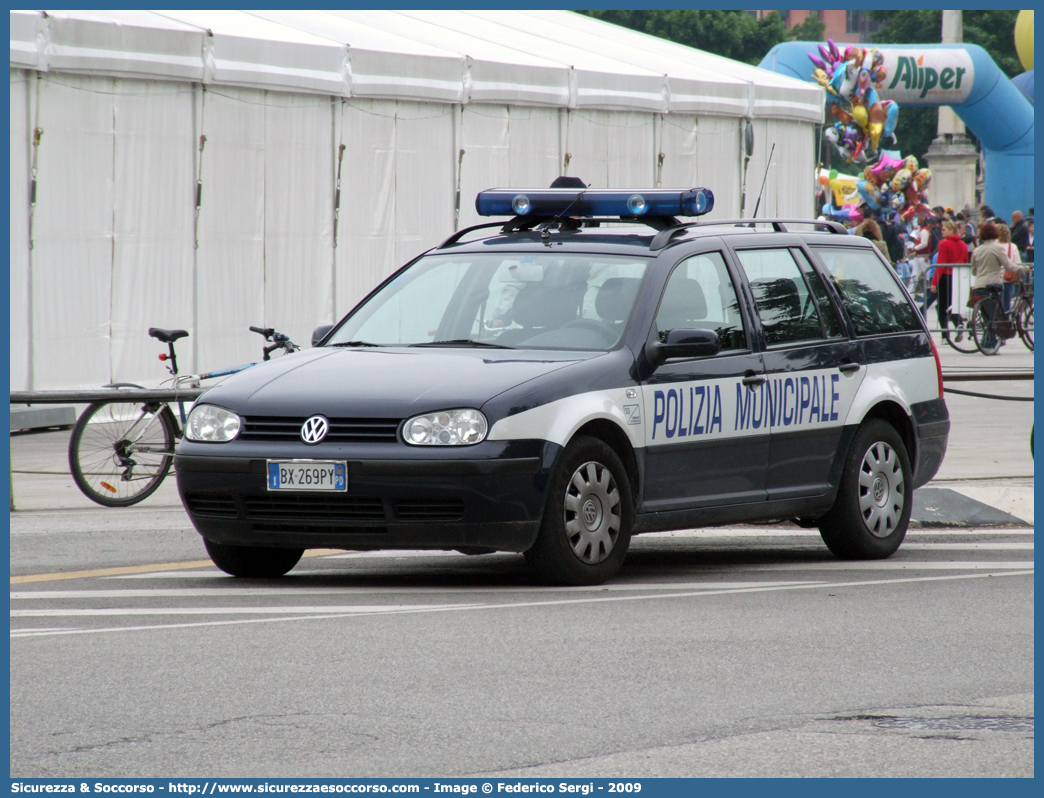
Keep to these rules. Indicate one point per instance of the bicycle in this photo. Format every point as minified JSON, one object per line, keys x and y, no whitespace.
{"x":991,"y":324}
{"x":959,"y":336}
{"x":1022,"y":310}
{"x":121,"y":451}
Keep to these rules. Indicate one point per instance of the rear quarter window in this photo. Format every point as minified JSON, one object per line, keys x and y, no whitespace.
{"x":869,"y":290}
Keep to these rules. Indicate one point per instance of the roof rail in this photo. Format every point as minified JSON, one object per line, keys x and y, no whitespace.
{"x":524,"y":223}
{"x":514,"y":225}
{"x":663,"y":238}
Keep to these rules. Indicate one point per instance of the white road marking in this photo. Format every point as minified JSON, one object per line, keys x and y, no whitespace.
{"x":290,"y":590}
{"x":992,"y":546}
{"x":970,"y":531}
{"x":530,"y":604}
{"x":894,"y":565}
{"x":343,"y":609}
{"x":789,"y":532}
{"x":830,"y":565}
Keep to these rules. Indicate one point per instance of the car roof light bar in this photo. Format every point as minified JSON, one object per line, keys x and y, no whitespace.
{"x":594,"y":202}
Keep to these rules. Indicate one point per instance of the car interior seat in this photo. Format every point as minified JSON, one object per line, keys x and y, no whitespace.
{"x":683,"y":306}
{"x":538,"y":308}
{"x":615,"y":298}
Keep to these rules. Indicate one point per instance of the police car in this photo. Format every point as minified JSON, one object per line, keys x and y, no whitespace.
{"x":588,"y":370}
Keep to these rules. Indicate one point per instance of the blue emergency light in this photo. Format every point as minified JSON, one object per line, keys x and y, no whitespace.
{"x":575,"y":202}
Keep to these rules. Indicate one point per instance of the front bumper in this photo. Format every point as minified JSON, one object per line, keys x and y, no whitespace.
{"x":487,"y":496}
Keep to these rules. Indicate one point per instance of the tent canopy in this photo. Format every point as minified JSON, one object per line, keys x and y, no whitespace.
{"x":538,"y":58}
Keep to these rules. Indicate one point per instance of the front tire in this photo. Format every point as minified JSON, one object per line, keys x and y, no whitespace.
{"x":960,"y":334}
{"x":1024,"y":320}
{"x":988,"y":342}
{"x":871,"y":513}
{"x":588,"y":518}
{"x":258,"y":562}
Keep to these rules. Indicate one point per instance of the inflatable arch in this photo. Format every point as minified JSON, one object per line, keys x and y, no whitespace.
{"x":966,"y":78}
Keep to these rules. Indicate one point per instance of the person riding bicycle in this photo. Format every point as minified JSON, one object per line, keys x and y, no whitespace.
{"x":988,"y":264}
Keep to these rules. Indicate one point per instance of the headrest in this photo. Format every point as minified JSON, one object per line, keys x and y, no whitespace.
{"x":779,"y":297}
{"x":682,"y":305}
{"x":616,"y":297}
{"x":537,"y":306}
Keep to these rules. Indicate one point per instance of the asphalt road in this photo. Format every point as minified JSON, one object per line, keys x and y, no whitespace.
{"x":720,"y":653}
{"x":740,"y":652}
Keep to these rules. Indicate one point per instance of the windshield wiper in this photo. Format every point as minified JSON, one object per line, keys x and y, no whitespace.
{"x":465,"y":342}
{"x":354,"y":343}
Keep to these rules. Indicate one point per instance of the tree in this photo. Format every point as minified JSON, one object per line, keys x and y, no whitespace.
{"x":810,"y":29}
{"x":733,"y":34}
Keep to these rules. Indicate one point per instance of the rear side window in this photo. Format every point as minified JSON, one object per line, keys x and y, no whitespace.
{"x":831,"y":323}
{"x":869,"y":290}
{"x":787,"y":309}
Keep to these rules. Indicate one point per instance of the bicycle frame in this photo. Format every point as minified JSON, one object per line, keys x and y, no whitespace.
{"x":144,"y":433}
{"x":192,"y":380}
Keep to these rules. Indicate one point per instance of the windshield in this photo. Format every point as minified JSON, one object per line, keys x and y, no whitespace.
{"x":540,"y":301}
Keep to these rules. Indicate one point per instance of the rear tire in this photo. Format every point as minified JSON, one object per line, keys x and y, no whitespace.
{"x":258,"y":562}
{"x":588,"y":517}
{"x":871,"y":513}
{"x":108,"y":469}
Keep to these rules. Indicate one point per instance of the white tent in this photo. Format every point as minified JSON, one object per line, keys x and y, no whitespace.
{"x":216,"y":169}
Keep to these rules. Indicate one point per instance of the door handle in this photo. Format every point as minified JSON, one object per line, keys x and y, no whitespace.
{"x":848,"y":368}
{"x":752,"y":380}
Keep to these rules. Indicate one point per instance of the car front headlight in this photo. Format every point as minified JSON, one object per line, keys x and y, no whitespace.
{"x":446,"y":428}
{"x":211,"y":424}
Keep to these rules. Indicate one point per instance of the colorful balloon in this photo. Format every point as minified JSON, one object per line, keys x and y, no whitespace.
{"x":850,"y":81}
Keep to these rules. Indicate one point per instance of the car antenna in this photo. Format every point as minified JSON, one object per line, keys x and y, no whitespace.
{"x":564,"y":181}
{"x":764,"y":181}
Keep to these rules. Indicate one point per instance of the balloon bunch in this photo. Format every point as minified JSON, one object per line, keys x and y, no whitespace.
{"x":845,"y":203}
{"x":889,"y":183}
{"x":896,"y":183}
{"x":862,"y":119}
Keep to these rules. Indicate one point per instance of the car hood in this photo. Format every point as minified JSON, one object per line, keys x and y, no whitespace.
{"x":381,"y":383}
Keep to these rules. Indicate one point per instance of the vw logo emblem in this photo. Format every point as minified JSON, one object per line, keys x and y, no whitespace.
{"x":314,"y":429}
{"x":590,"y":513}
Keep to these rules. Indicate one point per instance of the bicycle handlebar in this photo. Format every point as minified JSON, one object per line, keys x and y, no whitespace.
{"x":279,"y":341}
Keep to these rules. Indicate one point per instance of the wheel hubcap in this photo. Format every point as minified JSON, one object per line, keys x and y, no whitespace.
{"x":882,"y":489}
{"x":592,"y":513}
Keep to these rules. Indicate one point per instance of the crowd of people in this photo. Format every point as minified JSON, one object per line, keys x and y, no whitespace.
{"x":924,"y":252}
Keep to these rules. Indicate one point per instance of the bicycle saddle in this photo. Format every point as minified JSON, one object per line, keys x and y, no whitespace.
{"x":167,"y":336}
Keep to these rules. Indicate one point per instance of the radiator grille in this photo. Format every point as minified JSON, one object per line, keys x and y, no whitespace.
{"x":310,"y":507}
{"x":319,"y":529}
{"x":217,"y":505}
{"x":438,"y":509}
{"x":342,"y":430}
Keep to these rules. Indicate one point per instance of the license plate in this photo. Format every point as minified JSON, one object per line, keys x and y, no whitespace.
{"x":307,"y":475}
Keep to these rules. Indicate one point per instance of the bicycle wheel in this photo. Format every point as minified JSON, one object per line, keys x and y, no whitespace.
{"x":1024,"y":323}
{"x":960,"y":334}
{"x":986,"y":339}
{"x":120,"y":452}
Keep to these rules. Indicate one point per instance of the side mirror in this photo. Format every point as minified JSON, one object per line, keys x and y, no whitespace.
{"x":684,"y":343}
{"x":319,"y":333}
